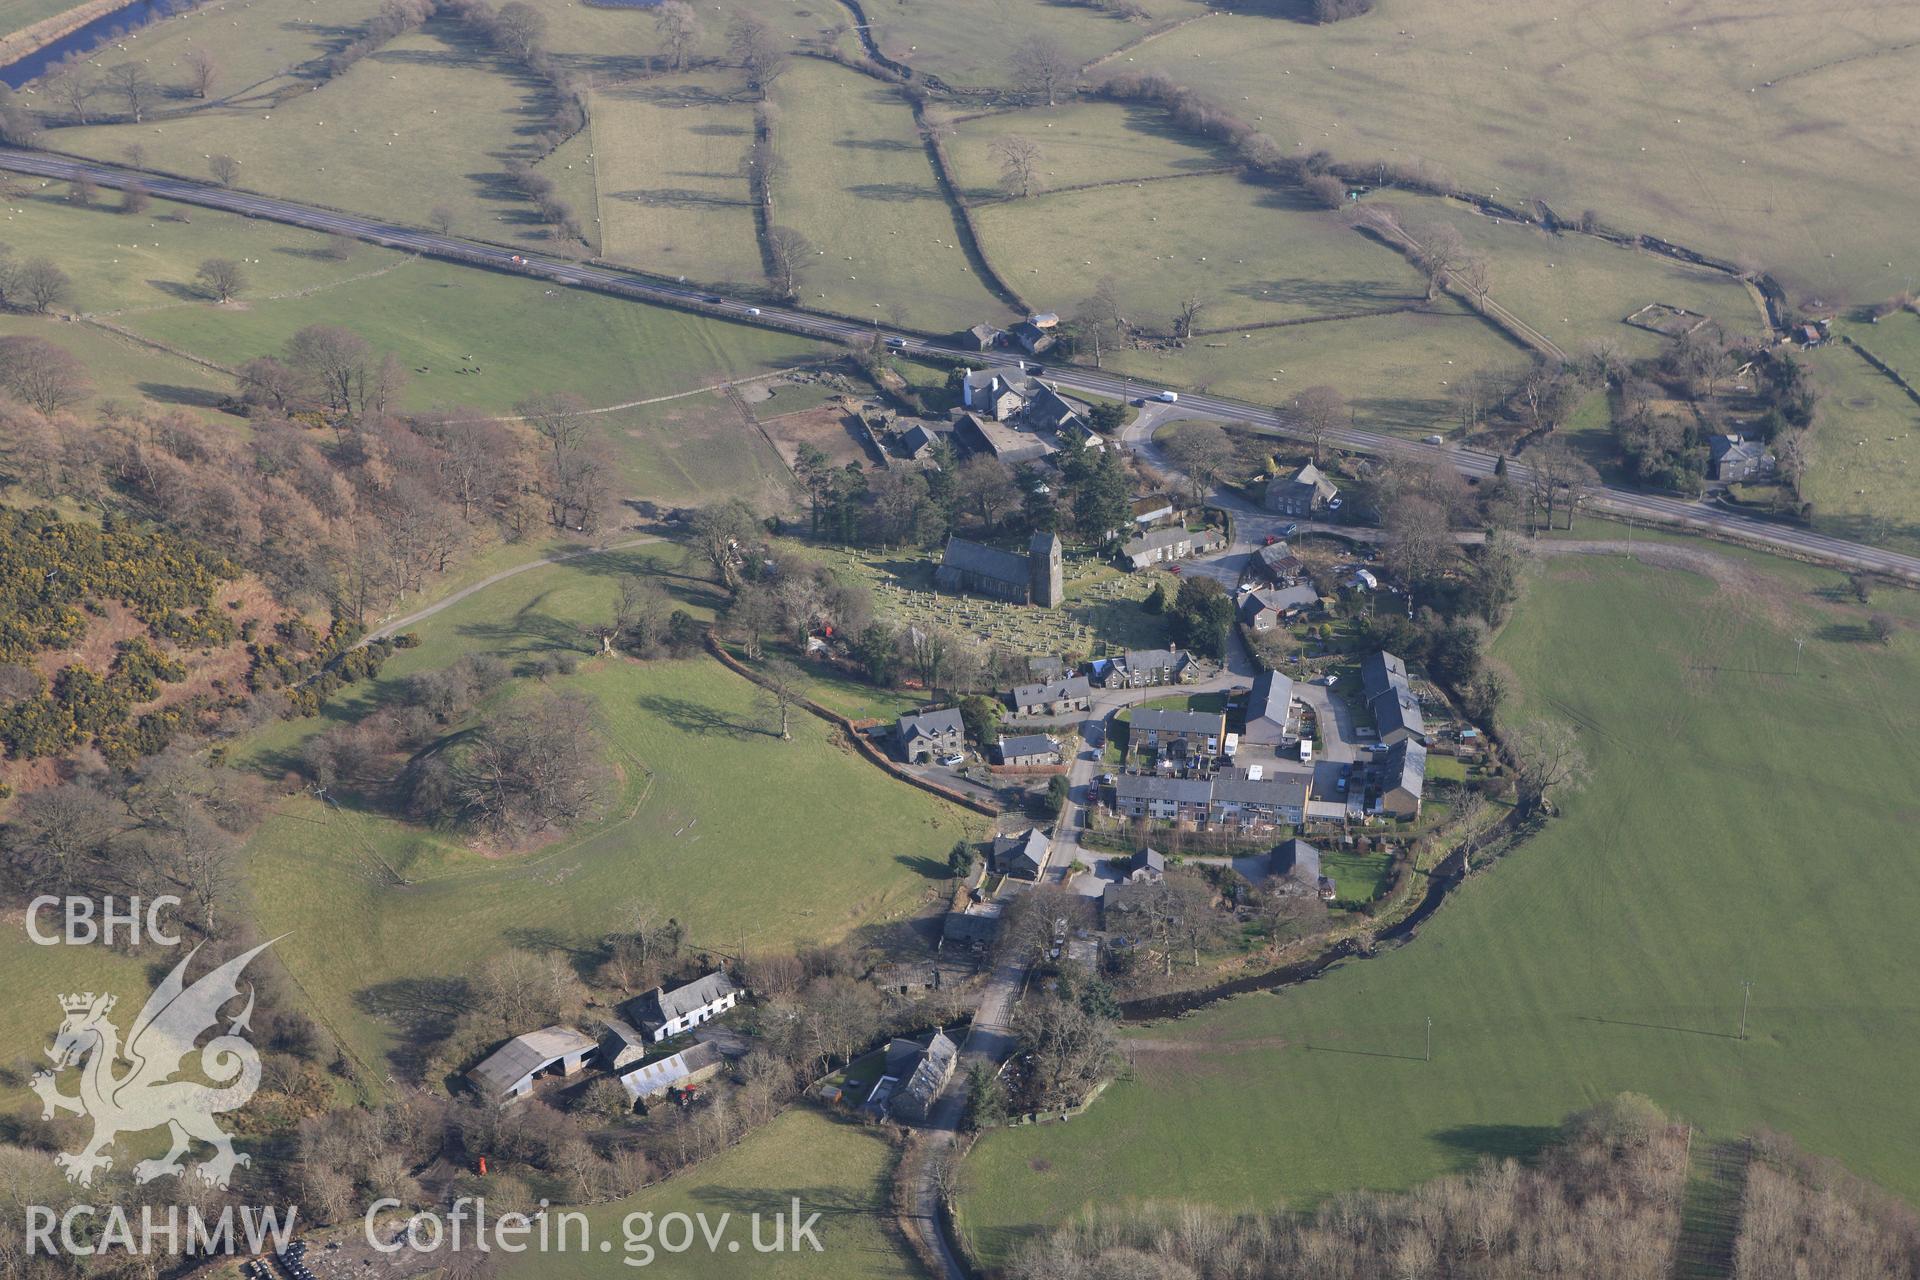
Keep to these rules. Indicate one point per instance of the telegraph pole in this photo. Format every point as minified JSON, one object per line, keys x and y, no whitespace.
{"x":1429,"y":1040}
{"x":1746,"y":994}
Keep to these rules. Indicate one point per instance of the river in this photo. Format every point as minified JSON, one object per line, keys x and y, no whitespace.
{"x":83,"y":38}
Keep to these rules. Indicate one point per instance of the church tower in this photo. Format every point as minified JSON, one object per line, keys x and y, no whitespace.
{"x":1043,"y":570}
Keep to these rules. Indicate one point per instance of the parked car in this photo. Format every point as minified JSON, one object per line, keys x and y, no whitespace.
{"x":953,"y":761}
{"x":1334,"y":504}
{"x":1288,"y":530}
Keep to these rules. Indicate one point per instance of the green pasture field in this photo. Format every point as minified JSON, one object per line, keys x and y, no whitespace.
{"x":37,"y":977}
{"x":1896,"y":340}
{"x":674,"y":196}
{"x":1394,"y":369}
{"x":1863,"y":476}
{"x":524,"y":336}
{"x":124,"y":370}
{"x":1254,"y":254}
{"x":1079,"y":142}
{"x":1578,"y":289}
{"x":834,"y":1167}
{"x":859,"y":186}
{"x":1745,"y":822}
{"x":18,"y":15}
{"x":125,"y":264}
{"x":615,"y":42}
{"x":263,"y":46}
{"x":430,"y":119}
{"x":1644,"y":111}
{"x":971,"y":42}
{"x":711,"y":817}
{"x":694,"y":449}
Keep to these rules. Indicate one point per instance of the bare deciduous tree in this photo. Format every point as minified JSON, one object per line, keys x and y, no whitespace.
{"x":1439,"y":251}
{"x":678,"y":27}
{"x":1019,"y":164}
{"x":782,"y":687}
{"x":1320,"y":410}
{"x":758,"y":48}
{"x":788,"y":255}
{"x":222,"y":278}
{"x":440,"y":218}
{"x":1202,"y":450}
{"x":1041,"y":65}
{"x":203,"y":68}
{"x":1547,"y":759}
{"x":40,"y":285}
{"x":225,"y":169}
{"x":1188,"y":316}
{"x":136,"y":87}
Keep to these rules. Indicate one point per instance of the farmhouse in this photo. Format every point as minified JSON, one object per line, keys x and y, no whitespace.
{"x":1013,"y":445}
{"x":982,"y":337}
{"x":1403,"y":777}
{"x":915,"y":1075}
{"x":1051,"y":698}
{"x":1035,"y":578}
{"x":924,"y":735}
{"x":1188,"y":733}
{"x":661,"y":1014}
{"x":1248,"y":802}
{"x":688,"y":1067}
{"x":1035,"y":333}
{"x":1301,"y":494}
{"x":974,"y":926}
{"x":994,"y":393}
{"x":1732,"y":458}
{"x":1048,"y":410}
{"x":1175,"y":542}
{"x":1152,"y":510}
{"x":1269,"y":710}
{"x":1028,"y":750}
{"x":621,"y":1044}
{"x":1023,"y":854}
{"x":1147,"y":795}
{"x":1141,"y":668}
{"x":507,"y":1073}
{"x":915,"y":439}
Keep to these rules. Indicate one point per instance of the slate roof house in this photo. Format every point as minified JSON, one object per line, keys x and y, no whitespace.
{"x":1049,"y":410}
{"x":1269,"y":710}
{"x":1190,"y":733}
{"x":1046,"y":668}
{"x":977,"y":433}
{"x":1264,"y":610}
{"x":1250,"y":803}
{"x":1147,"y":795}
{"x":507,"y":1074}
{"x":1732,"y":458}
{"x":923,"y":735}
{"x":1035,"y":333}
{"x":1051,"y":698}
{"x":919,"y":1073}
{"x":994,"y":393}
{"x":1301,"y":494}
{"x":1281,"y":566}
{"x":621,"y":1044}
{"x":690,"y":1066}
{"x":1175,"y":542}
{"x":1403,"y":777}
{"x":1035,"y":578}
{"x":1148,"y":866}
{"x":662,"y":1014}
{"x":1024,"y":853}
{"x":1396,"y":712}
{"x":1028,"y":750}
{"x":1141,"y":668}
{"x":1299,"y":862}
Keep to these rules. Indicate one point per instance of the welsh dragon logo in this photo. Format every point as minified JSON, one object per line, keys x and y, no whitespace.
{"x":145,"y":1095}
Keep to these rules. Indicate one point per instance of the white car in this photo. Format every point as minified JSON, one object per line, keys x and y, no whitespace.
{"x":953,"y":761}
{"x":753,"y":311}
{"x":1168,"y":397}
{"x":1436,"y":440}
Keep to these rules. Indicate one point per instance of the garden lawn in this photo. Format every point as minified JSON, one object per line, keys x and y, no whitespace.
{"x":860,"y":187}
{"x":834,"y":1167}
{"x":1749,"y":819}
{"x":1643,"y":111}
{"x":523,"y":336}
{"x":1252,"y":254}
{"x":1079,"y":142}
{"x":1395,"y":370}
{"x":674,"y":195}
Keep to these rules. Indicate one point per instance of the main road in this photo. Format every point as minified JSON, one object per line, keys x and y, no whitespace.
{"x":627,"y":284}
